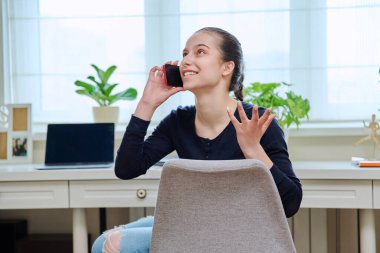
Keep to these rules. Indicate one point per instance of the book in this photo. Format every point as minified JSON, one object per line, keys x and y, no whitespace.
{"x":369,"y":164}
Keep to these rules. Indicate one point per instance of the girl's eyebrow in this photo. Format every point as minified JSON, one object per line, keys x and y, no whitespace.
{"x":201,"y":45}
{"x":197,"y":45}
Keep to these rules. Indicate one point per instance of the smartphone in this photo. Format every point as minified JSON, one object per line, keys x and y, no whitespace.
{"x":172,"y":75}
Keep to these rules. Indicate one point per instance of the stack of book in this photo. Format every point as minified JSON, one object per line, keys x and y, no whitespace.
{"x":369,"y":163}
{"x":362,"y":162}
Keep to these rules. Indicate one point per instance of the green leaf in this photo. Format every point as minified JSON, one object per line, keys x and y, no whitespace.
{"x":289,"y":107}
{"x":107,"y":74}
{"x":109,"y":89}
{"x":93,"y":96}
{"x":86,"y":86}
{"x":129,"y":94}
{"x":92,"y":78}
{"x":98,"y":71}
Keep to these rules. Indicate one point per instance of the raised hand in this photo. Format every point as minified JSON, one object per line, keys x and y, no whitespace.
{"x":156,"y":90}
{"x":250,"y":131}
{"x":155,"y":93}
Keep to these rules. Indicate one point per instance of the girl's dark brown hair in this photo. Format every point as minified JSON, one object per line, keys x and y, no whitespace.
{"x":231,"y":51}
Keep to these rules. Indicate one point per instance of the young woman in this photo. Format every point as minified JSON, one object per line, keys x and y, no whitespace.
{"x":218,"y":127}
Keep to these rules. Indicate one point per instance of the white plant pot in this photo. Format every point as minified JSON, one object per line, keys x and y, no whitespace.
{"x":105,"y":114}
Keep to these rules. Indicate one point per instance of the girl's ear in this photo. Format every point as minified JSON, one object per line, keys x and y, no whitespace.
{"x":228,"y":68}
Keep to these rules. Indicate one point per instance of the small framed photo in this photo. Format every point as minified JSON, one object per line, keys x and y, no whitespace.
{"x":15,"y":133}
{"x":19,"y":117}
{"x":3,"y":145}
{"x":19,"y":146}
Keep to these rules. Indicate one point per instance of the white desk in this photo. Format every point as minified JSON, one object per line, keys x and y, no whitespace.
{"x":23,"y":187}
{"x":325,"y":185}
{"x":341,"y":185}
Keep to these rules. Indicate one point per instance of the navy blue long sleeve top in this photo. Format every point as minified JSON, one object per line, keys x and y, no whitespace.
{"x":177,"y":132}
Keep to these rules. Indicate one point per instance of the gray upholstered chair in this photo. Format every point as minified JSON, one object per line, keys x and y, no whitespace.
{"x":219,"y":206}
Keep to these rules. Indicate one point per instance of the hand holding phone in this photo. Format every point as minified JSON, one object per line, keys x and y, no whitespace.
{"x":172,"y":75}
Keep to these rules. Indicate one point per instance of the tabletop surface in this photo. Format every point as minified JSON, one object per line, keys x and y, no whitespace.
{"x":304,"y":170}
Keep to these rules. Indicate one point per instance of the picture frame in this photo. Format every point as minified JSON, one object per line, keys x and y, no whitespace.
{"x":19,"y":146}
{"x":16,"y":143}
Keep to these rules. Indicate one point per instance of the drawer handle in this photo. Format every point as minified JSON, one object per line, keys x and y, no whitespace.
{"x":141,"y":193}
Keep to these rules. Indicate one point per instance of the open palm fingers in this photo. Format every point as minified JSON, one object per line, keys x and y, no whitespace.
{"x":242,"y":115}
{"x":262,"y":123}
{"x":256,"y":124}
{"x":233,"y":119}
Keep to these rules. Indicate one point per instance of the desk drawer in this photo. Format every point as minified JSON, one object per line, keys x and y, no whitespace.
{"x":337,"y":194}
{"x":113,"y":193}
{"x":33,"y":195}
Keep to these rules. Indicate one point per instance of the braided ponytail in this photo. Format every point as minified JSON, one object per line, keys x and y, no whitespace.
{"x":238,"y":88}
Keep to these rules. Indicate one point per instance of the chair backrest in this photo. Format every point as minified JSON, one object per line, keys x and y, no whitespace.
{"x":219,"y":206}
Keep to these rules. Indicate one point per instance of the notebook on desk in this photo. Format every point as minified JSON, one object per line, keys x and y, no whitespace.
{"x":75,"y":146}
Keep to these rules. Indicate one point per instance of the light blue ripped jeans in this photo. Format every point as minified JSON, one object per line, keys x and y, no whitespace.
{"x":135,"y":237}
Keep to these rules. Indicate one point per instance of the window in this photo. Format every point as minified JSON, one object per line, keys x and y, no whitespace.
{"x":353,"y":58}
{"x":329,"y":49}
{"x":53,"y":44}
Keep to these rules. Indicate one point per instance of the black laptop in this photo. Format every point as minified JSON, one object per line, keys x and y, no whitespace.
{"x":88,"y":145}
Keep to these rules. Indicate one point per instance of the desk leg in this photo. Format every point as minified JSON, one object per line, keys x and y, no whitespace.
{"x":80,"y":240}
{"x":367,"y":231}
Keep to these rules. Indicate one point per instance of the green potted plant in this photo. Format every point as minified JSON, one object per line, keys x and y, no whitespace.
{"x":101,"y":91}
{"x":290,"y":108}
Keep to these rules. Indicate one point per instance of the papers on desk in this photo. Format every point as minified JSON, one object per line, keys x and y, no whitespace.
{"x":362,"y":162}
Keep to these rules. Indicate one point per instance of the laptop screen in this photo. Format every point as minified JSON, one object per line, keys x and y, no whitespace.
{"x":90,"y":143}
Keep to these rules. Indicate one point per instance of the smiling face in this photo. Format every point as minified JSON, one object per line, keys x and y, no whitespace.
{"x":202,"y":65}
